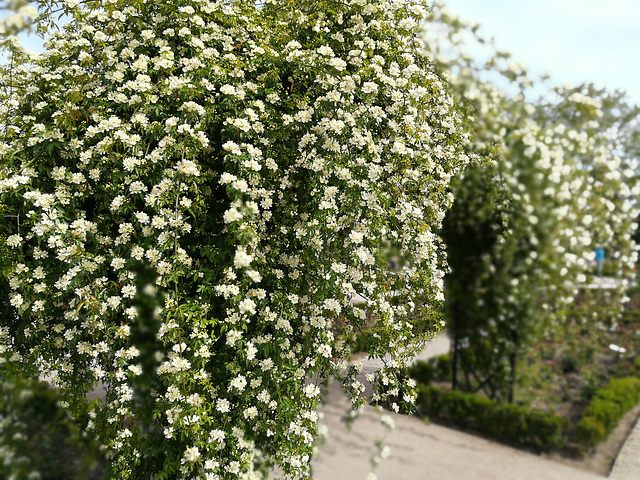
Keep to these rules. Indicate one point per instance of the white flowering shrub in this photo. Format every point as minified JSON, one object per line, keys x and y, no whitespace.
{"x":192,"y":191}
{"x":523,"y":232}
{"x":18,"y":16}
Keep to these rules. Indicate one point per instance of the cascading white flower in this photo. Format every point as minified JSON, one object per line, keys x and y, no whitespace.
{"x":182,"y":176}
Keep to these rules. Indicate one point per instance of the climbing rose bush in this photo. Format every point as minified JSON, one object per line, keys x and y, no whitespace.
{"x":557,"y":182}
{"x":192,"y":191}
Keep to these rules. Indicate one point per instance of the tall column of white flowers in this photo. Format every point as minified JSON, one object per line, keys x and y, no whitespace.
{"x":191,"y":193}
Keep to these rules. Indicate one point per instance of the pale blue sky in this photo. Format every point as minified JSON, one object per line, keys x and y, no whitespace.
{"x":574,"y":40}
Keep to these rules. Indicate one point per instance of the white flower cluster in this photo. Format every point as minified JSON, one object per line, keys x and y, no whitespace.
{"x":17,"y":21}
{"x":198,"y":196}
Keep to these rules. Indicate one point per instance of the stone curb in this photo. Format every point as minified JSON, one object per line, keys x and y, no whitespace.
{"x":627,"y":464}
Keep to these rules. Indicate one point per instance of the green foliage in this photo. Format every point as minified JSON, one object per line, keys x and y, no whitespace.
{"x":569,"y":364}
{"x":556,"y":181}
{"x":191,"y":193}
{"x":364,"y":341}
{"x":443,"y":366}
{"x":423,"y":323}
{"x":508,"y":423}
{"x":605,"y":410}
{"x":38,"y":437}
{"x":434,"y":369}
{"x":590,"y":432}
{"x":422,"y":371}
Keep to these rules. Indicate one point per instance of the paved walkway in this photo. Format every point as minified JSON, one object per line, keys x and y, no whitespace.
{"x":421,"y":451}
{"x":627,"y":465}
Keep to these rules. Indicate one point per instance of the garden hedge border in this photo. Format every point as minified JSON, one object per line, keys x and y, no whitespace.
{"x":513,"y":424}
{"x":605,"y":411}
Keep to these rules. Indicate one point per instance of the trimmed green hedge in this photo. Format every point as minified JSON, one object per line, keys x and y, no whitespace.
{"x":606,"y":409}
{"x":512,"y":424}
{"x":420,"y":324}
{"x":437,"y":368}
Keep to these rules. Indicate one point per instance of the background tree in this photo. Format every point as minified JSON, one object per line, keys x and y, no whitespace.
{"x":559,"y":184}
